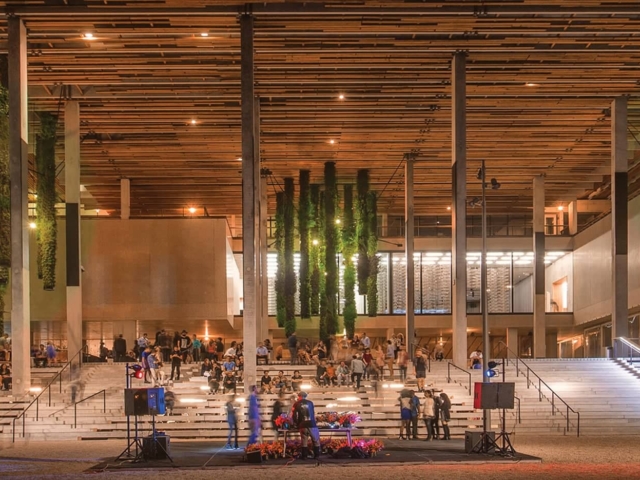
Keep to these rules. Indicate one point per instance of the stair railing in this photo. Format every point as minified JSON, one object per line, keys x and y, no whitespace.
{"x":554,"y":396}
{"x":623,"y":343}
{"x":36,"y":401}
{"x":75,"y":405}
{"x":451,"y":364}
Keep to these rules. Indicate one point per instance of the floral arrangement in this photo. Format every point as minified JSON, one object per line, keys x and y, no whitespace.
{"x":370,"y":447}
{"x":337,"y":420}
{"x":284,"y":421}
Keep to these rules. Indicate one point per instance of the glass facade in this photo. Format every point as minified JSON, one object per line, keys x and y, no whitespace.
{"x":509,"y":282}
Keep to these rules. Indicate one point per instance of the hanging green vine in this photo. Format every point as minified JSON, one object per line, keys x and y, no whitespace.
{"x":289,"y":273}
{"x":304,"y":214}
{"x":314,"y":255}
{"x":349,"y":249}
{"x":322,"y":273}
{"x":5,"y":203}
{"x":372,"y":249}
{"x":331,"y":246}
{"x":279,"y":244}
{"x":362,"y":230}
{"x":46,"y":201}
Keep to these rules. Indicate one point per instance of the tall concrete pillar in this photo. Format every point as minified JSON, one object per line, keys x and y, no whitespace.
{"x":125,"y":198}
{"x":539,"y":326}
{"x":250,"y":200}
{"x":573,"y":217}
{"x":408,"y":249}
{"x":19,"y":177}
{"x":512,"y":343}
{"x":619,"y":219}
{"x":263,"y":332}
{"x":459,"y":210}
{"x":72,"y":206}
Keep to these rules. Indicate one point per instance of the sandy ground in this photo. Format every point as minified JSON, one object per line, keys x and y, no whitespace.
{"x":563,"y":458}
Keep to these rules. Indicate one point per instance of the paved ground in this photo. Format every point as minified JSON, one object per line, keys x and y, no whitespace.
{"x":563,"y":458}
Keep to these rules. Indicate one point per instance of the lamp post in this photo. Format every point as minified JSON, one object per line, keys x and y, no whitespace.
{"x":486,"y":346}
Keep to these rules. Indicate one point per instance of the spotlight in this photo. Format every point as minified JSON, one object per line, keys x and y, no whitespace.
{"x":32,"y":225}
{"x":491,"y":372}
{"x":192,"y":210}
{"x":494,"y":184}
{"x":475,"y":202}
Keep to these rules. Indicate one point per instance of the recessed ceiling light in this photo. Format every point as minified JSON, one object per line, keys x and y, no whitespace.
{"x":88,"y":36}
{"x":239,"y":159}
{"x":531,"y":84}
{"x":449,"y":208}
{"x":98,"y":211}
{"x":560,"y":208}
{"x":32,"y":225}
{"x":194,"y":121}
{"x":332,"y":141}
{"x":192,"y":210}
{"x":204,"y":34}
{"x":341,"y":97}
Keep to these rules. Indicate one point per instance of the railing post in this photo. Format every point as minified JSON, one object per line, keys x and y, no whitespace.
{"x":75,"y":415}
{"x":37,"y":409}
{"x":553,"y":404}
{"x":539,"y":389}
{"x":49,"y":388}
{"x":567,"y":418}
{"x":13,"y":431}
{"x":449,"y":372}
{"x":104,"y":401}
{"x":527,"y":378}
{"x":23,"y":427}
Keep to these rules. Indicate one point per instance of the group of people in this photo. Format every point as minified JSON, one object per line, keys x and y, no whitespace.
{"x":434,"y":409}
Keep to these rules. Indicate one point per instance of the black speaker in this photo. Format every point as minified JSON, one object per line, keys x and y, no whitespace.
{"x":494,"y":395}
{"x":472,"y":440}
{"x":144,"y":401}
{"x":157,"y":449}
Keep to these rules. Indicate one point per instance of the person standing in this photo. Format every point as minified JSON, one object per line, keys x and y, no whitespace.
{"x":278,"y":409}
{"x":445,"y":415}
{"x":357,"y":370}
{"x":390,"y":357}
{"x":421,"y":369}
{"x":403,"y":361}
{"x":292,"y":342}
{"x":415,"y":411}
{"x":428,"y":414}
{"x":185,"y":345}
{"x":219,"y":348}
{"x":51,"y":354}
{"x":232,"y":422}
{"x":254,"y":416}
{"x":304,"y":418}
{"x":436,"y":418}
{"x":405,"y":415}
{"x":176,"y":361}
{"x":197,"y":348}
{"x":143,"y":343}
{"x":365,"y":341}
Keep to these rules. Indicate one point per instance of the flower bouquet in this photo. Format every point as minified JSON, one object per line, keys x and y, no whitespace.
{"x":348,"y":419}
{"x":331,"y":446}
{"x":284,"y":421}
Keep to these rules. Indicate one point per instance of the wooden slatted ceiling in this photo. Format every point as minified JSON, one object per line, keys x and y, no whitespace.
{"x":148,"y":73}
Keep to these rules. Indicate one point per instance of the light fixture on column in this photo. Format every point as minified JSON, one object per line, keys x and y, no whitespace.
{"x":192,"y":210}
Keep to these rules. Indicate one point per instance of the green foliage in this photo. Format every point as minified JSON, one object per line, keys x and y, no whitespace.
{"x":349,"y":248}
{"x":323,"y":272}
{"x":289,"y":273}
{"x":279,"y":243}
{"x":304,"y":217}
{"x":362,"y":230}
{"x":46,"y":201}
{"x":5,"y":202}
{"x":314,"y":255}
{"x":372,"y":249}
{"x":331,"y":241}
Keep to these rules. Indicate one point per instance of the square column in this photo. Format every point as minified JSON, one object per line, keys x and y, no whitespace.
{"x":539,"y":325}
{"x":125,"y":198}
{"x":573,"y":217}
{"x":459,"y":210}
{"x":512,"y":343}
{"x":19,"y":176}
{"x":250,"y":201}
{"x":72,"y":206}
{"x":619,"y":219}
{"x":408,"y":248}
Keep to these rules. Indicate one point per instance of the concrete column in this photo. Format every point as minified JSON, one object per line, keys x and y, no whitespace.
{"x":512,"y":343}
{"x":552,"y":344}
{"x":19,"y":177}
{"x":619,"y":219}
{"x":573,"y":217}
{"x":539,"y":326}
{"x":264,"y":280}
{"x":459,"y":210}
{"x":250,"y":196}
{"x":125,"y":198}
{"x":72,"y":205}
{"x":408,"y":249}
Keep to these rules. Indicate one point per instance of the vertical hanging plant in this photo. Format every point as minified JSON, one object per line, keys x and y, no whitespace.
{"x":331,"y":246}
{"x":5,"y":203}
{"x":372,"y":249}
{"x":304,"y":214}
{"x":289,"y":273}
{"x":280,"y":296}
{"x":46,"y":201}
{"x":349,"y":249}
{"x":314,"y":255}
{"x":362,"y":230}
{"x":323,"y":272}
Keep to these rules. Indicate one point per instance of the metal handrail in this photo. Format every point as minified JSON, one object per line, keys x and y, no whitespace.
{"x":451,"y":364}
{"x":541,"y":382}
{"x":519,"y":417}
{"x":37,"y":399}
{"x":632,"y":346}
{"x":75,"y":405}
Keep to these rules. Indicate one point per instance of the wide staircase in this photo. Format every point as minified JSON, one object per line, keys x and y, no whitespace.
{"x":606,"y":396}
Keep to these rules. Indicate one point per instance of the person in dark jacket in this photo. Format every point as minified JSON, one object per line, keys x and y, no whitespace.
{"x":435,"y":421}
{"x":278,"y":409}
{"x":232,"y":421}
{"x":445,"y":414}
{"x":304,"y":417}
{"x":120,"y":348}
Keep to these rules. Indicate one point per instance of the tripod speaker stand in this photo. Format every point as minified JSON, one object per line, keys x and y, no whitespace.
{"x":494,"y":396}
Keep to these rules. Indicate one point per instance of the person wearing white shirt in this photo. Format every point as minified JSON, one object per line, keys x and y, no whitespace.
{"x":475,"y":357}
{"x":365,"y":341}
{"x":262,"y":352}
{"x":231,"y":351}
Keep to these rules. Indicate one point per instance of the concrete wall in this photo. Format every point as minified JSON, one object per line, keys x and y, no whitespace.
{"x":561,"y":268}
{"x":142,"y":270}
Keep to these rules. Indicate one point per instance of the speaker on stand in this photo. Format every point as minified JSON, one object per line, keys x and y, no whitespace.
{"x":493,"y":396}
